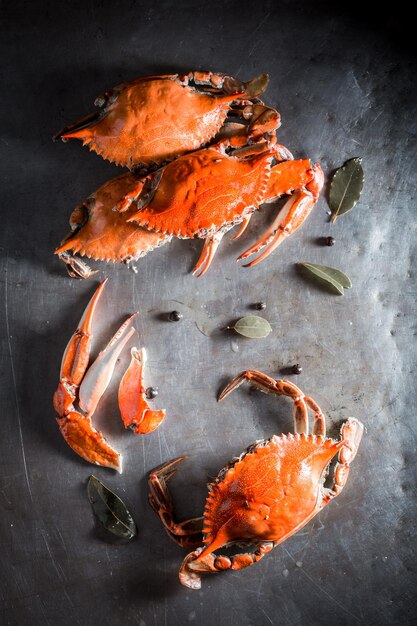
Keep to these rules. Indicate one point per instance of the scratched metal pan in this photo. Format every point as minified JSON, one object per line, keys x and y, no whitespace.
{"x":344,"y":88}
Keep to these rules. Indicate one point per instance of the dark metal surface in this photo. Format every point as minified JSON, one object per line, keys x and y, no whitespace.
{"x":344,"y":88}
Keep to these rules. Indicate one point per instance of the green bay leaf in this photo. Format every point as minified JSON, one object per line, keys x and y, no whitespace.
{"x":110,"y":510}
{"x":346,"y":187}
{"x":253,"y":326}
{"x":339,"y":280}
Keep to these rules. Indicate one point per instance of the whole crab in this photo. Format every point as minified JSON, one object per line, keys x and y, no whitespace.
{"x":154,"y":119}
{"x":264,"y":496}
{"x":202,"y":194}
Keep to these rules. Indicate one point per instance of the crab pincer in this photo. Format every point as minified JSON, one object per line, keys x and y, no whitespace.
{"x":77,"y":383}
{"x":134,"y":409}
{"x":99,"y":374}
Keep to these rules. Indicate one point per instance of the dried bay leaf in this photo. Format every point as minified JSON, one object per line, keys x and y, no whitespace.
{"x":110,"y":510}
{"x":339,"y":280}
{"x":346,"y":187}
{"x":253,"y":326}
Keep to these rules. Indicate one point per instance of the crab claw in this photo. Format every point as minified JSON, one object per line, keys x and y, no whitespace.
{"x":256,"y":86}
{"x":77,"y":429}
{"x":77,"y":353}
{"x":134,"y":409}
{"x":189,"y":577}
{"x":75,"y":267}
{"x":98,"y":376}
{"x":88,"y":442}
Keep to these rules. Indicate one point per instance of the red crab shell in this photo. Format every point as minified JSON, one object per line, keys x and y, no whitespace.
{"x":199,"y":193}
{"x":101,"y":233}
{"x":155,"y":119}
{"x":270,"y":492}
{"x":267,"y":494}
{"x":202,"y":194}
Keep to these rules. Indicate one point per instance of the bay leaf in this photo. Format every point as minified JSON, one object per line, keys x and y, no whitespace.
{"x":110,"y":510}
{"x":346,"y":187}
{"x":339,"y":280}
{"x":253,"y":326}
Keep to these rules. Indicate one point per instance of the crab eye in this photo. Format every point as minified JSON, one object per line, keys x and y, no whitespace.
{"x":79,"y":216}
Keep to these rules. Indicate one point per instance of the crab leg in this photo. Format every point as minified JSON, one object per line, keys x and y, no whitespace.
{"x":282,"y":388}
{"x":287,"y":177}
{"x":294,"y":212}
{"x":193,"y":565}
{"x":251,"y":89}
{"x":134,"y":409}
{"x":187,"y":533}
{"x":351,"y":433}
{"x":319,"y":424}
{"x":132,"y":195}
{"x":77,"y":429}
{"x":77,"y":353}
{"x":261,"y":122}
{"x":76,"y":357}
{"x":207,"y":254}
{"x":97,"y":378}
{"x":243,"y":227}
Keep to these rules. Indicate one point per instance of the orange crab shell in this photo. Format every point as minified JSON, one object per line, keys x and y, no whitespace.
{"x":155,"y":119}
{"x":200,"y":192}
{"x":88,"y":442}
{"x":270,"y":492}
{"x":102,"y":233}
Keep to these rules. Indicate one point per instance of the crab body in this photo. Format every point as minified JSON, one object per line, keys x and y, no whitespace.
{"x":272,"y":491}
{"x":199,"y":193}
{"x":264,"y":496}
{"x":155,"y":119}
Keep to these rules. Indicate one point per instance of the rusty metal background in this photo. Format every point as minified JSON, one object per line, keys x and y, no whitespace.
{"x":344,"y":86}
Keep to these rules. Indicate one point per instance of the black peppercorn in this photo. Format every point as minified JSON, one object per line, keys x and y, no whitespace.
{"x":175,"y":316}
{"x":297,"y":369}
{"x":151,"y":392}
{"x":260,"y":306}
{"x":330,"y":241}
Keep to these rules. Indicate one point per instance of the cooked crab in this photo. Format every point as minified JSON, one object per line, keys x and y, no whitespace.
{"x":84,"y":384}
{"x":206,"y":193}
{"x":101,"y":233}
{"x":203,"y":194}
{"x":155,"y":119}
{"x":264,"y":496}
